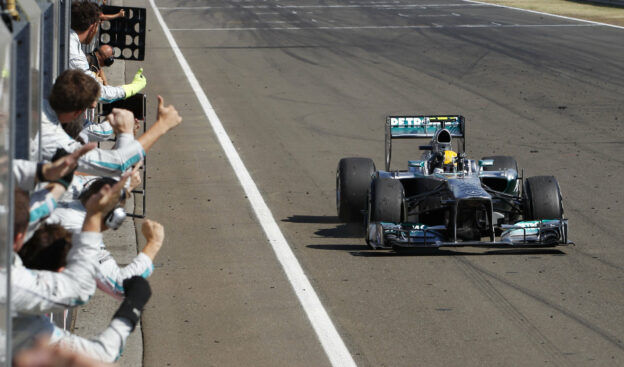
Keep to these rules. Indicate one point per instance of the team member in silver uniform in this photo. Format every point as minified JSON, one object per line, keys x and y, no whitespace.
{"x":85,"y":20}
{"x":71,"y":94}
{"x":29,"y":173}
{"x":36,"y":292}
{"x":110,"y":275}
{"x":58,"y":174}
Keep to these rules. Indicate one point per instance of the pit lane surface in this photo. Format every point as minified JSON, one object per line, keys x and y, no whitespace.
{"x":300,"y":85}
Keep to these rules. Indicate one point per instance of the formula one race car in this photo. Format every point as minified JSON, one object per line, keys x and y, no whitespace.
{"x":445,"y":199}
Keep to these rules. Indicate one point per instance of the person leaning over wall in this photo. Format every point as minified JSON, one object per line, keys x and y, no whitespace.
{"x":73,"y":92}
{"x":30,"y":323}
{"x":85,"y":20}
{"x":110,"y":275}
{"x":37,"y":292}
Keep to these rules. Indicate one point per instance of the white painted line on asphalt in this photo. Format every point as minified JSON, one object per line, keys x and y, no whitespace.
{"x":326,"y":332}
{"x":542,"y":13}
{"x":278,"y":21}
{"x":436,"y":15}
{"x":341,"y":28}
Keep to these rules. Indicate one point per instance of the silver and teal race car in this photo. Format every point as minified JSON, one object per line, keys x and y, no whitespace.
{"x":446,"y":199}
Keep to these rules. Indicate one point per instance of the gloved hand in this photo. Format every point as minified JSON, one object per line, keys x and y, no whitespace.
{"x":138,"y":292}
{"x":67,"y":179}
{"x":138,"y":83}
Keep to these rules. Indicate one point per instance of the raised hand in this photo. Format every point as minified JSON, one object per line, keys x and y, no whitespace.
{"x":167,"y":115}
{"x":135,"y":176}
{"x":121,"y":120}
{"x":153,"y":231}
{"x":64,"y":165}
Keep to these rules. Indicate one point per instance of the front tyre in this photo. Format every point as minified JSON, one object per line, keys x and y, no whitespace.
{"x":353,"y":177}
{"x":542,"y":198}
{"x":386,"y":200}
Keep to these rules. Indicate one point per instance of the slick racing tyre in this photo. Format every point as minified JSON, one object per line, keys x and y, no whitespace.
{"x":386,"y":200}
{"x":542,"y":198}
{"x":353,"y":178}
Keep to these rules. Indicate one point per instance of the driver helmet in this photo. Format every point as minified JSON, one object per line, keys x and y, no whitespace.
{"x":450,"y":161}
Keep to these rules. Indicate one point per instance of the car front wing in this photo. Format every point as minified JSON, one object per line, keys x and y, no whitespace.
{"x":525,"y":234}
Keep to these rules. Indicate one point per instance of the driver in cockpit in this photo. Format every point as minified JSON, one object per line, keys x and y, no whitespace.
{"x":445,"y":161}
{"x":443,"y":158}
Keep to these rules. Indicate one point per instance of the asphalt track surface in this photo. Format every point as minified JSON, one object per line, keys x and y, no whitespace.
{"x":299,"y":85}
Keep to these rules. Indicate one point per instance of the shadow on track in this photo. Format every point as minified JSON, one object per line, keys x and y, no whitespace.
{"x":320,"y":219}
{"x":342,"y":230}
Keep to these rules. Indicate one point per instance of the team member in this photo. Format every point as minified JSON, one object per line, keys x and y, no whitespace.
{"x":36,"y":292}
{"x":107,"y":346}
{"x":58,"y":174}
{"x":85,"y":20}
{"x":39,"y":292}
{"x":98,"y":59}
{"x":47,"y":250}
{"x":73,"y":92}
{"x":110,"y":276}
{"x":29,"y":173}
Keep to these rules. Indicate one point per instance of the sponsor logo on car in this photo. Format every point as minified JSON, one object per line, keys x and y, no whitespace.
{"x":407,"y":121}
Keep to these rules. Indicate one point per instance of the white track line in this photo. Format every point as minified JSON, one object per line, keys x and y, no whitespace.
{"x":542,"y":13}
{"x":331,"y":341}
{"x":343,"y":28}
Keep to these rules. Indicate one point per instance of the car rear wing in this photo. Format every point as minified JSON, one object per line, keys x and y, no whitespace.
{"x":415,"y":127}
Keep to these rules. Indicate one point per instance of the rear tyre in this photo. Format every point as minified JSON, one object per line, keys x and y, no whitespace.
{"x":353,"y":177}
{"x":386,"y":200}
{"x":542,"y":198}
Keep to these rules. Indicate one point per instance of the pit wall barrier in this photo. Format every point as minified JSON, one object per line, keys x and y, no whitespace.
{"x":34,"y":40}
